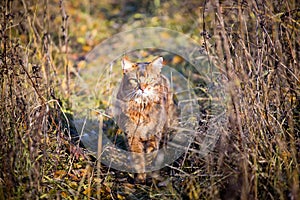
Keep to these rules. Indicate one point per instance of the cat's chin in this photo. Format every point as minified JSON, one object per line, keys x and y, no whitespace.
{"x":141,"y":100}
{"x":138,"y":100}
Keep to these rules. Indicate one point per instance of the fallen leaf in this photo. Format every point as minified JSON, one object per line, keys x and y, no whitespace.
{"x":59,"y":174}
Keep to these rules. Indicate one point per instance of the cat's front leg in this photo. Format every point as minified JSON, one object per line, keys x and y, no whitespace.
{"x":152,"y":143}
{"x":136,"y":147}
{"x":154,"y":157}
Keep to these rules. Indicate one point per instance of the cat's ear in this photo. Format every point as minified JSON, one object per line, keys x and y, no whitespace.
{"x":126,"y":64}
{"x":157,"y":62}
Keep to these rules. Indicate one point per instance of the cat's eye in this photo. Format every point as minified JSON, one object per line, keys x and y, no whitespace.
{"x":133,"y":81}
{"x":150,"y":80}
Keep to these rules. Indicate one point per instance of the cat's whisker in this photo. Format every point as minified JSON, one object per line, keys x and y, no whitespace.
{"x":134,"y":95}
{"x":130,"y":94}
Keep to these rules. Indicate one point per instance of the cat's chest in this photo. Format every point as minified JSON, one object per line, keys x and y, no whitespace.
{"x":145,"y":113}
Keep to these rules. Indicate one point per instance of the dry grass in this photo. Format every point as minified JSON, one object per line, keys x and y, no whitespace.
{"x":255,"y":46}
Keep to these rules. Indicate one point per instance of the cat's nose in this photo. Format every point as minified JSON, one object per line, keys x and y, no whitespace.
{"x":143,"y":86}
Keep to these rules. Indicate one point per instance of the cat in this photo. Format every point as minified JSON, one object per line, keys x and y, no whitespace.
{"x":144,"y":108}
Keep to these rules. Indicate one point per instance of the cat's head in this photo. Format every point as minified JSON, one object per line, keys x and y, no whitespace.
{"x":142,"y":80}
{"x":153,"y":67}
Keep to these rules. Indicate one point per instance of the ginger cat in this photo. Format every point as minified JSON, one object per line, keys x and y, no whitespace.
{"x":144,"y":108}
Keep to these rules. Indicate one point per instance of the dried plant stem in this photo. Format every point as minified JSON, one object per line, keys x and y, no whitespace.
{"x":65,"y":46}
{"x":99,"y":152}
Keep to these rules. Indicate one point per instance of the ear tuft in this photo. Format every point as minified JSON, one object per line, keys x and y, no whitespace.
{"x":126,"y":64}
{"x":157,"y":62}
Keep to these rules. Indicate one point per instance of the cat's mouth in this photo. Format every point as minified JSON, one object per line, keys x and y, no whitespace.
{"x":144,"y":93}
{"x":142,"y":97}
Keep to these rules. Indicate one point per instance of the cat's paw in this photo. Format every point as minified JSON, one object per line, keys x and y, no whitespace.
{"x":140,"y":178}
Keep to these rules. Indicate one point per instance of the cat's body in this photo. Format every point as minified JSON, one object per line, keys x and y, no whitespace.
{"x":144,"y":108}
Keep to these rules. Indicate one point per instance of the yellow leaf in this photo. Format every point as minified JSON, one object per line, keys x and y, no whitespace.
{"x":87,"y":191}
{"x":177,"y":59}
{"x":64,"y":195}
{"x":73,"y":184}
{"x":73,"y":177}
{"x":81,"y":40}
{"x":44,"y":196}
{"x":86,"y":48}
{"x":77,"y":165}
{"x":59,"y":174}
{"x":83,"y":28}
{"x":120,"y":197}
